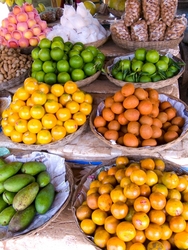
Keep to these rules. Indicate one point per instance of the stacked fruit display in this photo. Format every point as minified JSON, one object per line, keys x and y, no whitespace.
{"x":135,"y":204}
{"x":59,"y":61}
{"x":26,"y":190}
{"x":41,"y":114}
{"x":146,"y":66}
{"x":136,"y":117}
{"x":23,"y":27}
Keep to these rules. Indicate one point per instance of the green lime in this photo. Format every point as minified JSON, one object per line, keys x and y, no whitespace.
{"x":173,"y":69}
{"x":37,"y":65}
{"x":169,"y":73}
{"x":145,"y":79}
{"x":125,"y":64}
{"x":140,"y":54}
{"x":50,"y":78}
{"x":152,"y":56}
{"x":101,"y":56}
{"x":49,"y":66}
{"x":136,"y":66}
{"x":33,"y":74}
{"x":77,"y":74}
{"x":57,"y":44}
{"x":78,"y":47}
{"x":63,"y":66}
{"x":89,"y":69}
{"x":162,"y":65}
{"x":73,"y":52}
{"x":119,"y":76}
{"x":56,"y":53}
{"x":63,"y":77}
{"x":44,"y":43}
{"x":156,"y":78}
{"x":65,"y":57}
{"x":129,"y":78}
{"x":35,"y":53}
{"x":44,"y":55}
{"x":68,"y":46}
{"x":76,"y":62}
{"x":40,"y":76}
{"x":58,"y":38}
{"x":91,"y":7}
{"x":93,"y":49}
{"x":87,"y":56}
{"x":164,"y":58}
{"x":149,"y":68}
{"x":98,"y":63}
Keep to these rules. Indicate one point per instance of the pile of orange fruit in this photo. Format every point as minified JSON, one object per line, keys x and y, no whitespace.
{"x":135,"y":117}
{"x":40,"y":113}
{"x":136,"y":205}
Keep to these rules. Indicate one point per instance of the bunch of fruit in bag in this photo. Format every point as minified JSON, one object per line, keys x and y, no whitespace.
{"x":26,"y":190}
{"x":41,"y":114}
{"x":136,"y":204}
{"x":58,"y":61}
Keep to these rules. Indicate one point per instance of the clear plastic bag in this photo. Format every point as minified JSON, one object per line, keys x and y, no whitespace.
{"x":120,"y":30}
{"x":151,"y":10}
{"x":139,"y":31}
{"x":132,"y":11}
{"x":177,"y":28}
{"x":157,"y":31}
{"x":168,"y":10}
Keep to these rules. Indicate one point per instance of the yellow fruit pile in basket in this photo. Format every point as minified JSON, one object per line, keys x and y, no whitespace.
{"x":41,"y":114}
{"x":136,"y":205}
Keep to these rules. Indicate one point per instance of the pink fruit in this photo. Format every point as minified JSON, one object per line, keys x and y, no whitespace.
{"x":5,"y":22}
{"x":43,"y":24}
{"x":16,"y":9}
{"x":22,"y":26}
{"x":36,"y":30}
{"x":33,"y":41}
{"x":31,"y":15}
{"x":22,"y":17}
{"x":28,"y":34}
{"x":16,"y":34}
{"x":37,"y":18}
{"x":11,"y":27}
{"x":28,"y":7}
{"x":31,"y":23}
{"x":3,"y":31}
{"x":13,"y":43}
{"x":41,"y":36}
{"x":12,"y":18}
{"x":23,"y":42}
{"x":3,"y":41}
{"x":8,"y":36}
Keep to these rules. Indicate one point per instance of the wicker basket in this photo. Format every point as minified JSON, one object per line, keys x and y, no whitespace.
{"x":5,"y":100}
{"x":116,"y":13}
{"x":158,"y":45}
{"x":61,"y":201}
{"x":81,"y":191}
{"x":15,"y":81}
{"x":99,"y":42}
{"x":182,"y":110}
{"x":155,"y":85}
{"x":6,"y":141}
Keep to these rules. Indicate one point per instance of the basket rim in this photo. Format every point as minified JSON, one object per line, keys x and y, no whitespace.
{"x":139,"y":150}
{"x":88,"y":80}
{"x":156,"y":85}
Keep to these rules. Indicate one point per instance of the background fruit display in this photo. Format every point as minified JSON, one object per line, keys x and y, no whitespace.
{"x":23,"y":27}
{"x":145,"y":66}
{"x":26,"y":190}
{"x":41,"y":114}
{"x":117,"y":4}
{"x":135,"y":117}
{"x":135,"y":204}
{"x":58,"y":61}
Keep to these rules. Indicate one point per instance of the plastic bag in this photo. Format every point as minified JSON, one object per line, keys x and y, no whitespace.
{"x":120,"y":30}
{"x":132,"y":11}
{"x":139,"y":31}
{"x":168,"y":10}
{"x":177,"y":28}
{"x":151,"y":10}
{"x":157,"y":31}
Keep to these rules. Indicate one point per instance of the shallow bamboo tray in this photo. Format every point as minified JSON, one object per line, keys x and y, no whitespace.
{"x":155,"y":85}
{"x":51,"y":215}
{"x":79,"y":195}
{"x":182,"y":110}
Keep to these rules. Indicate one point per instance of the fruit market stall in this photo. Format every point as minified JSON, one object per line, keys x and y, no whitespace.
{"x":90,"y":101}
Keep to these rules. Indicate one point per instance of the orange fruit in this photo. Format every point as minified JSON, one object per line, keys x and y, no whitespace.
{"x":170,"y":179}
{"x":24,"y":112}
{"x":79,"y":117}
{"x":88,"y":226}
{"x":138,"y":177}
{"x":105,"y":202}
{"x":110,"y":224}
{"x":70,"y":87}
{"x":140,"y":220}
{"x":72,"y":106}
{"x":63,"y":114}
{"x":38,"y":97}
{"x":4,"y":122}
{"x":95,"y":183}
{"x":98,"y":216}
{"x":57,"y":89}
{"x":44,"y":137}
{"x":114,"y":243}
{"x":51,"y":106}
{"x":13,"y":118}
{"x":30,"y":85}
{"x":166,"y":231}
{"x":124,"y":181}
{"x":7,"y":129}
{"x":147,"y":163}
{"x":151,"y":178}
{"x":34,"y":125}
{"x":83,"y":212}
{"x":102,"y":174}
{"x":117,"y":194}
{"x":119,"y":210}
{"x":21,"y":126}
{"x":64,"y":98}
{"x":125,"y":231}
{"x":101,"y":238}
{"x":140,"y":237}
{"x":155,"y":245}
{"x":136,"y":246}
{"x":153,"y":232}
{"x":92,"y":200}
{"x":174,"y":207}
{"x":51,"y":96}
{"x":105,"y":188}
{"x":16,"y":105}
{"x":71,"y":126}
{"x":58,"y":132}
{"x":29,"y":138}
{"x":161,"y":188}
{"x":49,"y":121}
{"x":157,"y":200}
{"x":92,"y":190}
{"x":181,"y":240}
{"x":22,"y":94}
{"x":86,"y":108}
{"x":157,"y":216}
{"x":121,"y":161}
{"x":78,"y":96}
{"x":16,"y":136}
{"x":177,"y":224}
{"x":142,"y":204}
{"x":120,"y":173}
{"x":131,"y":191}
{"x":45,"y":88}
{"x":88,"y":98}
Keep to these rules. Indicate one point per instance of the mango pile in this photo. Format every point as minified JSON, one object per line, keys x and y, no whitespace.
{"x":25,"y":190}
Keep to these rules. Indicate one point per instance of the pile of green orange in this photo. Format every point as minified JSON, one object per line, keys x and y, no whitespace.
{"x":146,"y":66}
{"x":57,"y":61}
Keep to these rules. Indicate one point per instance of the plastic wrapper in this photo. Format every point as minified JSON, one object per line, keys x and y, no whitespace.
{"x":168,"y":10}
{"x":151,"y":10}
{"x":139,"y":31}
{"x":120,"y":30}
{"x":132,"y":11}
{"x":157,"y":31}
{"x":177,"y":28}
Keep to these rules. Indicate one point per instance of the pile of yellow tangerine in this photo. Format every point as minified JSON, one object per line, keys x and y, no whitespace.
{"x":41,"y":114}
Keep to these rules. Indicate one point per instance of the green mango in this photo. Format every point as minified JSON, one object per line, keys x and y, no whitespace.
{"x":9,"y":169}
{"x":43,"y":178}
{"x":17,"y":182}
{"x":22,"y":219}
{"x":33,"y":167}
{"x":2,"y":162}
{"x":8,"y":197}
{"x":45,"y":198}
{"x":25,"y":196}
{"x":6,"y":215}
{"x":3,"y":204}
{"x":2,"y":187}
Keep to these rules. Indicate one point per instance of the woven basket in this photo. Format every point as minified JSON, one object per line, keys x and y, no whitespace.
{"x":157,"y":45}
{"x":46,"y":219}
{"x":15,"y":81}
{"x":5,"y":100}
{"x":99,"y":42}
{"x":6,"y":141}
{"x":182,"y":110}
{"x":155,"y":85}
{"x":116,"y":13}
{"x":88,"y":80}
{"x":81,"y":191}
